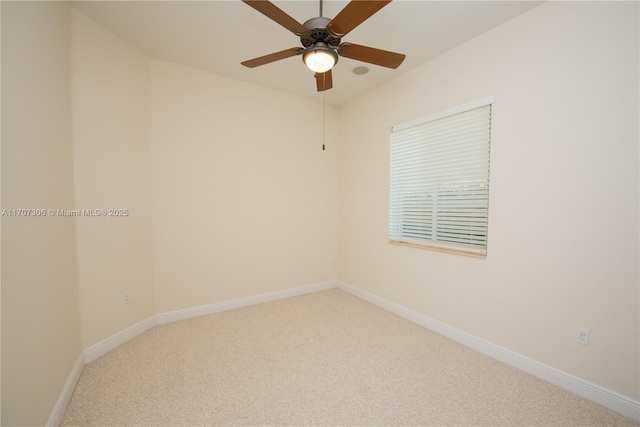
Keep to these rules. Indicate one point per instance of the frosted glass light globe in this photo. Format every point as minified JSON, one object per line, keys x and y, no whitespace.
{"x":319,"y":61}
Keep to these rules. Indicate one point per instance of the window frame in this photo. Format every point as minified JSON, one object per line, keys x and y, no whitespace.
{"x":431,"y":244}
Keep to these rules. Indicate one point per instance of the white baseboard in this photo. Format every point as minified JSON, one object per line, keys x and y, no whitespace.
{"x":61,"y":405}
{"x":204,"y":310}
{"x":111,"y":343}
{"x":605,"y":397}
{"x":608,"y":398}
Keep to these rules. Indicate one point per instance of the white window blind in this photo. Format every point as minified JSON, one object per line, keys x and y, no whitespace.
{"x":440,"y":179}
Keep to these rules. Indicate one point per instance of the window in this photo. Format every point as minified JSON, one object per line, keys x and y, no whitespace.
{"x":439,"y":194}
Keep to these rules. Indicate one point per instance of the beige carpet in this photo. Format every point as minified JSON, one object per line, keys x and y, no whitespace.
{"x":327,"y":358}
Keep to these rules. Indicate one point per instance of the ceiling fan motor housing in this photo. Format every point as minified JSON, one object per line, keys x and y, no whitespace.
{"x":318,"y":32}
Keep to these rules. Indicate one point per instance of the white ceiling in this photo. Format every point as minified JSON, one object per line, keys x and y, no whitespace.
{"x":217,"y":35}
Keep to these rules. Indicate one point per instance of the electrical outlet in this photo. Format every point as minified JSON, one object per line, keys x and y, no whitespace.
{"x":582,"y":336}
{"x":127,"y":297}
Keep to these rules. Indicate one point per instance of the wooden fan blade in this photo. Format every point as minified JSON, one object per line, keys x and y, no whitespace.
{"x":371,"y":55}
{"x":276,"y":14}
{"x":272,"y":57}
{"x":354,"y":14}
{"x":324,"y":81}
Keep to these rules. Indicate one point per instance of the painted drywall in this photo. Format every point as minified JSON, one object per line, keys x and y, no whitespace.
{"x":112,"y":171}
{"x":563,"y":221}
{"x":244,"y":197}
{"x":235,"y":212}
{"x":40,"y":320}
{"x":245,"y":202}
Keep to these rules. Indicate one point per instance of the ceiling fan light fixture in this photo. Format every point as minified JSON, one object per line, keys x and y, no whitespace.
{"x":321,"y":39}
{"x":320,"y":58}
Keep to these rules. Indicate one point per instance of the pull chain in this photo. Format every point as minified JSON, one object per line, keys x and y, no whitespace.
{"x":324,"y":94}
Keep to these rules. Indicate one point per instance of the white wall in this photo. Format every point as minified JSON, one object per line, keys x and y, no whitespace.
{"x":40,"y":322}
{"x":112,"y":170}
{"x":245,"y":202}
{"x":563,"y":230}
{"x":244,"y":198}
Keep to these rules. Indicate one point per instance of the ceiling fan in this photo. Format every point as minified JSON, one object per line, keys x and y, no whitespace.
{"x":321,"y":39}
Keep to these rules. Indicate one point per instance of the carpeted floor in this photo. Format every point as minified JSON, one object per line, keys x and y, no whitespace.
{"x":326,"y":358}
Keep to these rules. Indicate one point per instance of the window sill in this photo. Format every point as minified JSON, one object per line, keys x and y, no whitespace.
{"x":427,"y":246}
